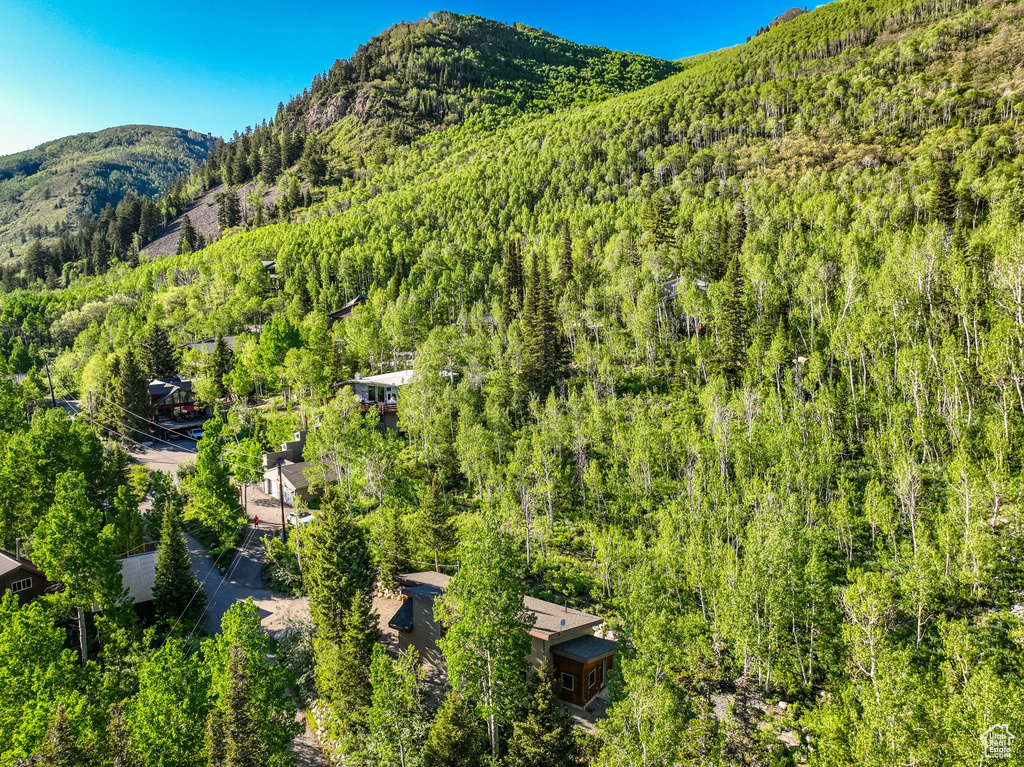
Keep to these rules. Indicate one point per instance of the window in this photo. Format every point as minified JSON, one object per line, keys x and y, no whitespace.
{"x":596,"y":676}
{"x":23,"y":585}
{"x":568,"y":681}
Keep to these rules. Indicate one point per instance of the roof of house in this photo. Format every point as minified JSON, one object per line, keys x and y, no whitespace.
{"x":402,"y":620}
{"x":208,"y":345}
{"x":294,"y":474}
{"x":138,"y":574}
{"x":587,"y":648}
{"x":549,"y":619}
{"x":398,"y":378}
{"x":165,"y":387}
{"x":426,"y":578}
{"x":346,"y":310}
{"x":10,"y":563}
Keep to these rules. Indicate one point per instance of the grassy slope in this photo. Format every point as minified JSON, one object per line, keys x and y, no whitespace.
{"x":45,"y":190}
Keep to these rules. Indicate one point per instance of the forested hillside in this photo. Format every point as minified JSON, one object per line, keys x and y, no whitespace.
{"x":795,"y":495}
{"x":45,"y":191}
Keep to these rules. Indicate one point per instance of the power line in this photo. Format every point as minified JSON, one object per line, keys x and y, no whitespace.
{"x":139,"y":417}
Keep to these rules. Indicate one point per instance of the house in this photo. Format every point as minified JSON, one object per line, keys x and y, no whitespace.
{"x":346,"y":311}
{"x":138,"y":575}
{"x":171,"y":397}
{"x":563,"y":637}
{"x":670,"y":300}
{"x":21,"y":577}
{"x":284,"y":474}
{"x":208,"y":345}
{"x":381,"y":392}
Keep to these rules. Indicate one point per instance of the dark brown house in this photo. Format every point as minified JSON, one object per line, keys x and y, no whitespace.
{"x":21,"y":577}
{"x":346,"y":311}
{"x":561,"y":636}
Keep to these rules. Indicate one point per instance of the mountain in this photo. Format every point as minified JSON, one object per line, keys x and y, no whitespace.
{"x":734,"y":360}
{"x":45,"y":191}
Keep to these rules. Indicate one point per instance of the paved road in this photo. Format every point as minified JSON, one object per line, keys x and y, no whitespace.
{"x":244,"y":579}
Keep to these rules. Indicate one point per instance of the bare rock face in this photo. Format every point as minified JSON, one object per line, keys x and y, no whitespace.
{"x":324,"y":114}
{"x":789,"y":15}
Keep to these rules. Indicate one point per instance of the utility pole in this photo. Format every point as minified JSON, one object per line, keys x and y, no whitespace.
{"x":46,"y":365}
{"x":280,"y":496}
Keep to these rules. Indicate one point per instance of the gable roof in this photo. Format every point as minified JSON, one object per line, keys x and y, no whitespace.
{"x":165,"y":387}
{"x":9,"y":563}
{"x":346,"y":310}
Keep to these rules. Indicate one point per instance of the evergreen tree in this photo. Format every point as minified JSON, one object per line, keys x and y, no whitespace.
{"x":512,"y":284}
{"x":219,"y":363}
{"x":566,"y":272}
{"x":124,"y":402}
{"x":437,"y":530}
{"x":157,"y":356}
{"x":313,"y":162}
{"x":457,"y":737}
{"x":942,"y":198}
{"x":658,"y":223}
{"x":270,"y":161}
{"x":189,"y":242}
{"x":738,"y":230}
{"x":177,"y":593}
{"x":338,"y":573}
{"x":731,"y":330}
{"x":545,"y":735}
{"x":61,"y":748}
{"x":229,"y":210}
{"x":544,"y":349}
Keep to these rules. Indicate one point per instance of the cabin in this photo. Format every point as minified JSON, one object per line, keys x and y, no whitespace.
{"x":346,"y":311}
{"x":19,"y":576}
{"x":172,"y":397}
{"x":381,"y":392}
{"x":567,"y":639}
{"x":284,"y":472}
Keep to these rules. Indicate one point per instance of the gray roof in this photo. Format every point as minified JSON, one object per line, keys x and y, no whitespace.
{"x":138,"y":573}
{"x":402,"y":619}
{"x":9,"y":563}
{"x":588,"y":648}
{"x":208,"y":345}
{"x":549,"y":619}
{"x":428,"y":577}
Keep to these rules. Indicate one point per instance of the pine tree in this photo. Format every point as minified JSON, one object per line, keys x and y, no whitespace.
{"x":189,"y":241}
{"x":397,"y":276}
{"x":396,"y":719}
{"x":219,"y":363}
{"x":942,"y":198}
{"x":124,"y":403}
{"x":731,"y":329}
{"x":235,"y":737}
{"x":545,"y":735}
{"x":229,"y":210}
{"x":177,"y":593}
{"x":338,"y":574}
{"x":457,"y":737}
{"x":157,"y":356}
{"x":437,"y":530}
{"x":512,"y":283}
{"x":566,"y":271}
{"x":270,"y":161}
{"x":738,"y":230}
{"x":544,"y":348}
{"x":658,"y":224}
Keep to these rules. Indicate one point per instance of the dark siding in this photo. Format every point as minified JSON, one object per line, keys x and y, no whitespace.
{"x":38,"y":584}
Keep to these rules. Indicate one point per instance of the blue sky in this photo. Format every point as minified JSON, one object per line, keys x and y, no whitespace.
{"x":70,"y":66}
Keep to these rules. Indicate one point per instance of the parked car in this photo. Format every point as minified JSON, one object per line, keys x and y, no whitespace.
{"x":196,"y":434}
{"x":296,"y":519}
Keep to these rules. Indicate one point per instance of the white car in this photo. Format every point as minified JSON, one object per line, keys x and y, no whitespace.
{"x":296,"y":519}
{"x":196,"y":434}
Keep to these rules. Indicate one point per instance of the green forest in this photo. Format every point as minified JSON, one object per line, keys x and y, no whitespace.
{"x":726,"y":351}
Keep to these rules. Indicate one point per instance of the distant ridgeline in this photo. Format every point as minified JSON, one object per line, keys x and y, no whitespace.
{"x":411,"y":79}
{"x":46,"y":193}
